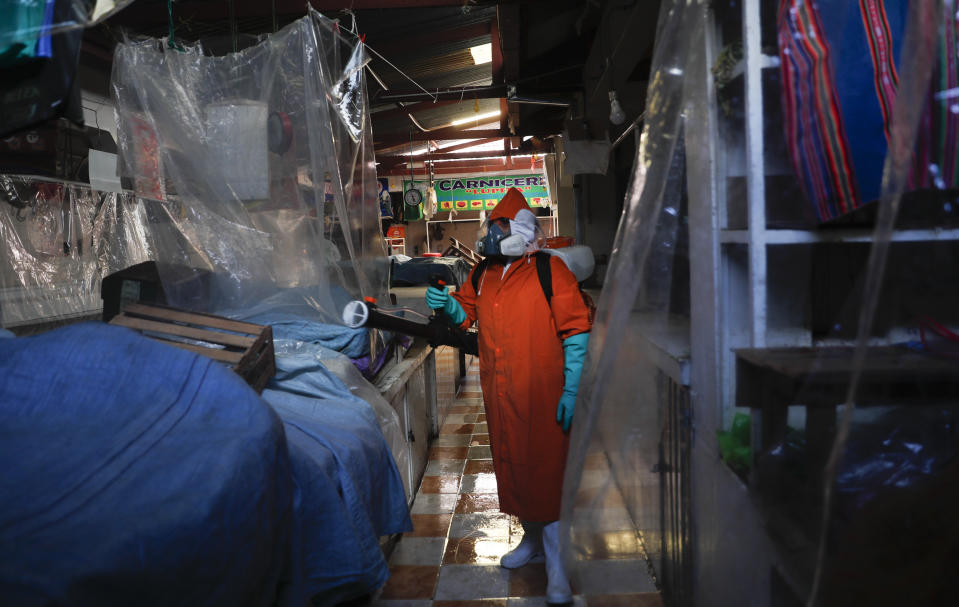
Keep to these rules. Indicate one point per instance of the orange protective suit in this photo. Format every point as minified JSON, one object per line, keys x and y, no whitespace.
{"x":521,"y":373}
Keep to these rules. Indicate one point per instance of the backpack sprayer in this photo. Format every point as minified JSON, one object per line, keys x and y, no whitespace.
{"x":438,"y":331}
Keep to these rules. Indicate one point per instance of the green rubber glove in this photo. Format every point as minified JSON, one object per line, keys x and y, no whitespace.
{"x":574,"y":354}
{"x":439,"y":299}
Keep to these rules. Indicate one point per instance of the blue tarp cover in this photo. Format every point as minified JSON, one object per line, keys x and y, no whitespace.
{"x":139,"y":473}
{"x":347,"y":476}
{"x":136,"y":473}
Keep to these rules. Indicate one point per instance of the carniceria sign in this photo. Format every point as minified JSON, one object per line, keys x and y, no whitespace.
{"x":482,"y":193}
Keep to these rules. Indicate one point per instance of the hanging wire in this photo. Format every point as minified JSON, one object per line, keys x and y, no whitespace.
{"x":402,"y":73}
{"x":233,"y":30}
{"x":349,"y":11}
{"x":411,"y":159}
{"x":171,"y":40}
{"x":356,"y":35}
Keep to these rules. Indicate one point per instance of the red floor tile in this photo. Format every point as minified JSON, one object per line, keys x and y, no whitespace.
{"x":411,"y":582}
{"x":529,"y":580}
{"x":479,"y":466}
{"x":430,"y":525}
{"x":477,"y":502}
{"x":471,"y":394}
{"x":440,"y":484}
{"x":448,"y":452}
{"x":479,"y":440}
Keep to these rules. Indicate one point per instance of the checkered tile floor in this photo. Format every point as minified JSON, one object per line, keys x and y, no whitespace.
{"x":451,"y":558}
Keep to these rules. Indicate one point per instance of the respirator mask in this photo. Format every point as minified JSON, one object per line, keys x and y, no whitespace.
{"x":497,"y":241}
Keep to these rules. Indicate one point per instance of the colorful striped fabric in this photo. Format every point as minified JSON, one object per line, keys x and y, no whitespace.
{"x":839,"y":82}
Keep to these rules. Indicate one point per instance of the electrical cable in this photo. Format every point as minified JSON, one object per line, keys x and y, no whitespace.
{"x":411,"y":158}
{"x":387,"y":61}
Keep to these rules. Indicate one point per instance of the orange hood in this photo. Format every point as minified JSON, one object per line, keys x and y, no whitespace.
{"x":509,"y":205}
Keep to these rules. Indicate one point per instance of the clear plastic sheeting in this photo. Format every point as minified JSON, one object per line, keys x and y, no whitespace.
{"x":263,"y":163}
{"x":253,"y":177}
{"x":768,"y":411}
{"x":638,"y":349}
{"x":58,"y":240}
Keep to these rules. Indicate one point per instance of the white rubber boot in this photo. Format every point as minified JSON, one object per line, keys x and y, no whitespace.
{"x":529,"y":547}
{"x":557,"y":587}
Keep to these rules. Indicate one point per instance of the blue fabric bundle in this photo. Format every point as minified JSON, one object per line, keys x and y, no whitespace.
{"x":354,"y":343}
{"x":351,"y":490}
{"x":294,"y":315}
{"x":136,"y":473}
{"x":139,"y":473}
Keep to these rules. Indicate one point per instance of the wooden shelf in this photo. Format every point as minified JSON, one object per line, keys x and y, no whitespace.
{"x":819,"y":377}
{"x":864,"y":235}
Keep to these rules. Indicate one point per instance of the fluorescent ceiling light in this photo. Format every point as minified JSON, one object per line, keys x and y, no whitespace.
{"x":482,"y":53}
{"x":503,"y":158}
{"x":474,"y":118}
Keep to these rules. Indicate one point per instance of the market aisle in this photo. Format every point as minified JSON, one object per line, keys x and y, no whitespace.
{"x":451,"y":559}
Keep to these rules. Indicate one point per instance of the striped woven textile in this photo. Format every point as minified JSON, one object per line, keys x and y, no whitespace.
{"x":839,"y":81}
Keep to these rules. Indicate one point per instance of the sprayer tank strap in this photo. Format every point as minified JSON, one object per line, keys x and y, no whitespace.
{"x":543,"y":271}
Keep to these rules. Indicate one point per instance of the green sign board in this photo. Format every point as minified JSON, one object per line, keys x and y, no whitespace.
{"x":482,"y":193}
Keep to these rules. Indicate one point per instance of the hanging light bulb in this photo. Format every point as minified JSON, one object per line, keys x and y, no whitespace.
{"x":616,"y":113}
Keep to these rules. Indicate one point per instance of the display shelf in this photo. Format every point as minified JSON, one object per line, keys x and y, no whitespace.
{"x":776,"y":304}
{"x":864,"y":235}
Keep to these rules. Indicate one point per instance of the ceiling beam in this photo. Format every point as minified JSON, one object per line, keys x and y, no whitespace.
{"x":152,"y":14}
{"x":542,"y":131}
{"x":440,"y":135}
{"x":463,"y":146}
{"x":467,"y":166}
{"x":420,"y":106}
{"x":392,"y":161}
{"x":457,"y":94}
{"x":395,"y":150}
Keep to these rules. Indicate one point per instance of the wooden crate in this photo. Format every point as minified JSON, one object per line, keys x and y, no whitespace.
{"x":246,"y":347}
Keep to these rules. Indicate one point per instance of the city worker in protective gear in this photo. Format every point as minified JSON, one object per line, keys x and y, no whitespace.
{"x":531,"y":354}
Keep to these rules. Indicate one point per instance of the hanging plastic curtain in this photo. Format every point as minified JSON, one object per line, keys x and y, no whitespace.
{"x":611,"y":502}
{"x":263,"y":166}
{"x":768,"y":413}
{"x":58,"y":240}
